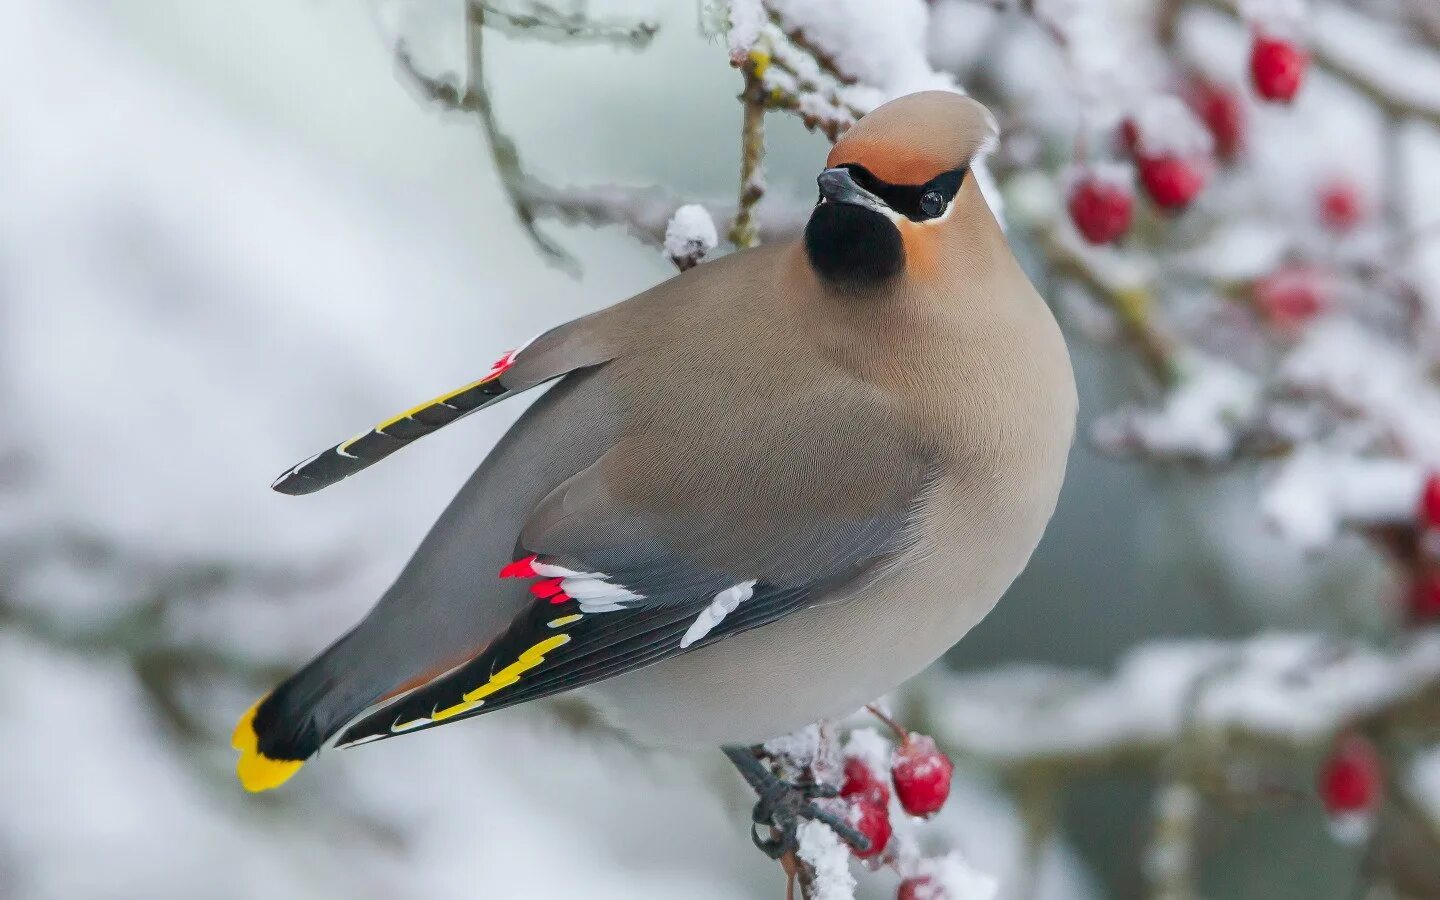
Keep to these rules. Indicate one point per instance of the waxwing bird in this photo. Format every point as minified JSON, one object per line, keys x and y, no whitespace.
{"x":759,"y":494}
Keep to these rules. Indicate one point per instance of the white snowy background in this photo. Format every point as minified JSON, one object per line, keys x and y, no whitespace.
{"x":229,"y":235}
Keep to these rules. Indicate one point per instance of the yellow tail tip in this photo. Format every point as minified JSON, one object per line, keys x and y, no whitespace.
{"x":258,"y":772}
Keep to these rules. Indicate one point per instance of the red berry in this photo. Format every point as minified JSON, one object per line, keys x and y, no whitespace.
{"x":1100,"y":209}
{"x":1350,"y":780}
{"x":1277,"y":67}
{"x":862,"y":784}
{"x":919,"y":887}
{"x":1430,"y":502}
{"x":922,"y":775}
{"x":1292,"y":296}
{"x":1221,"y":111}
{"x":1341,"y":206}
{"x":1170,"y":181}
{"x":1423,"y":599}
{"x":873,"y":821}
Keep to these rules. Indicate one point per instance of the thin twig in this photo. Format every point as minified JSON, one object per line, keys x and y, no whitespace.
{"x":895,"y":726}
{"x":744,"y":233}
{"x":790,"y":86}
{"x":1036,"y":791}
{"x":791,"y":864}
{"x":1169,"y":865}
{"x":823,"y":59}
{"x":474,"y":98}
{"x":645,"y":211}
{"x":1133,"y":307}
{"x":502,"y":149}
{"x":544,"y":22}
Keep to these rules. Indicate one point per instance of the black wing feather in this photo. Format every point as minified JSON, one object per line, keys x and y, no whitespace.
{"x":599,"y":646}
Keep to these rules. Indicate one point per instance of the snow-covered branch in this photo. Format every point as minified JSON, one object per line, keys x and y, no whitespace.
{"x":887,"y":787}
{"x":1267,"y":695}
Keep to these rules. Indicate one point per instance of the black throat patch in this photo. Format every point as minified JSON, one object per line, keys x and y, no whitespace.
{"x":853,"y":246}
{"x":850,"y":246}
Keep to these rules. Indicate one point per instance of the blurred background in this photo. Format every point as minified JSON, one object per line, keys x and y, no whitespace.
{"x":232,"y":233}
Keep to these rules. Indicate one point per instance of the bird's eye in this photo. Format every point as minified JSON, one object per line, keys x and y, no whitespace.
{"x":932,"y":203}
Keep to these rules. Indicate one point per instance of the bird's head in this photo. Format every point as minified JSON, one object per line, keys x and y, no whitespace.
{"x":897,"y":188}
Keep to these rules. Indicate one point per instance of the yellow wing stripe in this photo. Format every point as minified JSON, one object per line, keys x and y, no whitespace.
{"x":258,"y":772}
{"x":419,"y":407}
{"x":436,"y":402}
{"x":444,"y":399}
{"x":441,"y":715}
{"x":511,"y":673}
{"x":501,"y":679}
{"x":371,"y":446}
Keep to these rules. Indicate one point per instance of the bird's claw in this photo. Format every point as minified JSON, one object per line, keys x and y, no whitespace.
{"x":784,"y":805}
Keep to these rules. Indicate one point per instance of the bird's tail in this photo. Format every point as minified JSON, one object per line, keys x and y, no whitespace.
{"x":258,"y":769}
{"x":287,"y":726}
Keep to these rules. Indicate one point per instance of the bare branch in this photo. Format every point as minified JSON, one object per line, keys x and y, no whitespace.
{"x":543,"y":21}
{"x":474,"y":98}
{"x":645,"y":211}
{"x":1319,"y":694}
{"x":1169,"y":863}
{"x":744,"y":233}
{"x":1132,"y":303}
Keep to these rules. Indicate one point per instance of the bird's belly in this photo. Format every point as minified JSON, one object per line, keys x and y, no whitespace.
{"x":829,"y":660}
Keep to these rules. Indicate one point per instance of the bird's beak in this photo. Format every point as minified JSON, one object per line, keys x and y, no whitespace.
{"x":836,"y":186}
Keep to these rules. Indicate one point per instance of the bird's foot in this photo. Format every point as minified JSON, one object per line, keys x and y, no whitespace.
{"x":783,"y":805}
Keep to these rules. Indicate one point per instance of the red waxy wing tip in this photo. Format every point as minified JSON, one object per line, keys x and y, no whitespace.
{"x":520,"y":568}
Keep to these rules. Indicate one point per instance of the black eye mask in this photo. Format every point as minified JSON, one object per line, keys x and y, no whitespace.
{"x":916,"y":202}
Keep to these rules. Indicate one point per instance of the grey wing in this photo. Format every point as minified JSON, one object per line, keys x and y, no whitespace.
{"x":448,"y":604}
{"x":618,"y":585}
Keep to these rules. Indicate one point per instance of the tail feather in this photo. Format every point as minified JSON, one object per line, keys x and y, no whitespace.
{"x":433,"y":618}
{"x":290,"y":724}
{"x":287,"y":726}
{"x":258,"y":770}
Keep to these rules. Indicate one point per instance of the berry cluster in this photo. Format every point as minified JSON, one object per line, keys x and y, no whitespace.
{"x":918,"y":771}
{"x":884,"y":786}
{"x":1173,"y":176}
